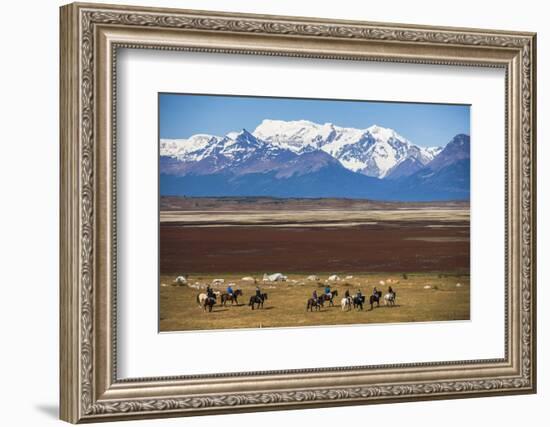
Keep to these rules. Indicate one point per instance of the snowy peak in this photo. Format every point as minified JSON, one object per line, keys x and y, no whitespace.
{"x":239,"y":143}
{"x":187,"y":149}
{"x":299,"y":135}
{"x":386,"y":134}
{"x":243,"y":136}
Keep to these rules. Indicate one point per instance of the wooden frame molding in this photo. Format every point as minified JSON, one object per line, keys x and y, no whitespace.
{"x":90,"y":37}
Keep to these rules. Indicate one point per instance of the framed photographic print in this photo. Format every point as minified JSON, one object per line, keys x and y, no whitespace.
{"x":265,"y":212}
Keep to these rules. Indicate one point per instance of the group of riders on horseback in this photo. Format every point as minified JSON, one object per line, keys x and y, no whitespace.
{"x":355,"y":301}
{"x":208,"y":300}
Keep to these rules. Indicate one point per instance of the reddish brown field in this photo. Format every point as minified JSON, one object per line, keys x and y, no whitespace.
{"x":210,"y":235}
{"x":386,"y":246}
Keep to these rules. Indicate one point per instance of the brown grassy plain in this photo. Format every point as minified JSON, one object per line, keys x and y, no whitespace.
{"x":286,"y":304}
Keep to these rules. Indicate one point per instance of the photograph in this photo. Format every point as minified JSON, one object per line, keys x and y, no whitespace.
{"x":299,"y":212}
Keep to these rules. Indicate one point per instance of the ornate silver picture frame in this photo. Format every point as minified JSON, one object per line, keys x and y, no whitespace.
{"x":91,"y":35}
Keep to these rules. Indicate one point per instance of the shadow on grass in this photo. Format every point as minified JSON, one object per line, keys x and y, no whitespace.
{"x":218,"y":310}
{"x":384,"y":306}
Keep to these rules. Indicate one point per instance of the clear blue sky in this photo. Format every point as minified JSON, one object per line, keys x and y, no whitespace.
{"x":182,"y":115}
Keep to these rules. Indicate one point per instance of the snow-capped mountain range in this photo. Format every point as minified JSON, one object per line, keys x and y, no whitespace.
{"x":374,"y":151}
{"x":306,"y":159}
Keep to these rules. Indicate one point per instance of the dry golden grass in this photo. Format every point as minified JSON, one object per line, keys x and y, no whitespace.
{"x":344,"y":218}
{"x":286,"y":304}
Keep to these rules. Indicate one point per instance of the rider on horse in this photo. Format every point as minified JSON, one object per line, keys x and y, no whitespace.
{"x":314,"y":295}
{"x":230,"y":290}
{"x":359,"y":295}
{"x":375,"y":291}
{"x":328,"y":292}
{"x":258,"y":292}
{"x":210,"y":292}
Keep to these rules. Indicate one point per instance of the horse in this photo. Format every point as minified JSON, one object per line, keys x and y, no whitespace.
{"x":346,"y":303}
{"x":375,"y":298}
{"x":255,"y":299}
{"x":358,"y":302}
{"x":330,"y":297}
{"x":231,"y":297}
{"x":389,"y":299}
{"x":316,"y":303}
{"x":205,"y":301}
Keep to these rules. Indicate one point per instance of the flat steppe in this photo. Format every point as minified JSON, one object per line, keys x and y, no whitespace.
{"x":423,"y":246}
